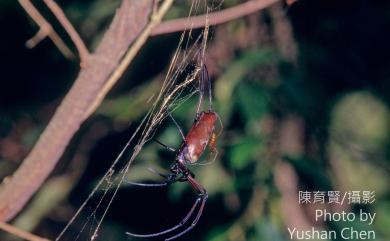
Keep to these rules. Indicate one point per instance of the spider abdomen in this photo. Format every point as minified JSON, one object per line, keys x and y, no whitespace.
{"x":198,"y":137}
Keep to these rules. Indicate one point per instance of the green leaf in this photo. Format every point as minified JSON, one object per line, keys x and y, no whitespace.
{"x":252,"y":100}
{"x":242,"y":153}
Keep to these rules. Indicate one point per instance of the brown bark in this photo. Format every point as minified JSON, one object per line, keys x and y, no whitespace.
{"x":127,"y":24}
{"x":219,"y":17}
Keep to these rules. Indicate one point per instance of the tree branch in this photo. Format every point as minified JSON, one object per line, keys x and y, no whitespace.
{"x":156,"y":19}
{"x":78,"y":42}
{"x":45,"y":30}
{"x":223,"y":16}
{"x":127,"y":24}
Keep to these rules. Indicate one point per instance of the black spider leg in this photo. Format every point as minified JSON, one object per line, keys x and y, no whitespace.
{"x":165,"y":146}
{"x":163,"y":184}
{"x":181,"y":223}
{"x":169,"y":180}
{"x":202,"y":196}
{"x":177,"y":126}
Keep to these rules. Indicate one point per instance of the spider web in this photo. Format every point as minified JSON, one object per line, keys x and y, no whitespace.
{"x":190,"y":51}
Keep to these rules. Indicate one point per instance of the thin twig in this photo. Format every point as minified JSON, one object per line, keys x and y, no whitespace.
{"x":45,"y":30}
{"x":78,"y":42}
{"x":131,"y":53}
{"x":20,"y":233}
{"x":215,"y":18}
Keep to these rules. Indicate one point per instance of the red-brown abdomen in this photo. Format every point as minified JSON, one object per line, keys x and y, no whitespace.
{"x":199,"y":136}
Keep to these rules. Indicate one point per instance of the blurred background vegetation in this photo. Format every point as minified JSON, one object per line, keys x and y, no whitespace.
{"x":303,"y":93}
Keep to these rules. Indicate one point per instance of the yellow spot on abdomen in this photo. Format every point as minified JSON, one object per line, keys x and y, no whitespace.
{"x":213,"y":141}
